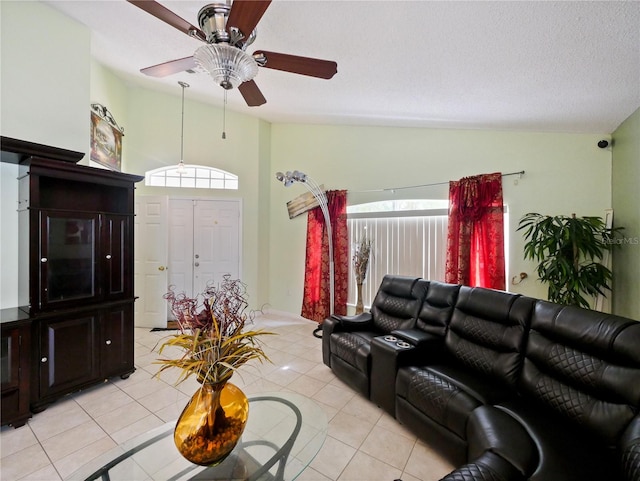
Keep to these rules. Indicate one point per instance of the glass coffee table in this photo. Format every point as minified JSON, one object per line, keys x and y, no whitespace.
{"x":283,"y":434}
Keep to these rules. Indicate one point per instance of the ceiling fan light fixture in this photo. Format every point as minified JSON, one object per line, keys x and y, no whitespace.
{"x":228,"y":66}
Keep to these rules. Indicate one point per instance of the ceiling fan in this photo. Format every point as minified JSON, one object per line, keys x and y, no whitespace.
{"x":227,"y":29}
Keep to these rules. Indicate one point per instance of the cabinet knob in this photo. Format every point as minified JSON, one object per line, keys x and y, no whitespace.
{"x":197,"y":264}
{"x":161,"y":268}
{"x":108,"y":342}
{"x":108,"y":256}
{"x":43,"y":260}
{"x":44,"y":359}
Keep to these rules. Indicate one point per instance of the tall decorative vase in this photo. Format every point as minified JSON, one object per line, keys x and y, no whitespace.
{"x":211,"y":424}
{"x":359,"y":304}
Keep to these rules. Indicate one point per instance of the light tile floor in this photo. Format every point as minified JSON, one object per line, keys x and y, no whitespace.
{"x":363,"y":442}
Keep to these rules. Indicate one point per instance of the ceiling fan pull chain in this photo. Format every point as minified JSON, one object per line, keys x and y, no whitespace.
{"x":224,"y":116}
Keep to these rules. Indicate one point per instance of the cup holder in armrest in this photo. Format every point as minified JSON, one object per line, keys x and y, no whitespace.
{"x":398,"y":342}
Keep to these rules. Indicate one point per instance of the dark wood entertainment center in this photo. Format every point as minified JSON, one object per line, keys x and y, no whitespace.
{"x":75,"y":329}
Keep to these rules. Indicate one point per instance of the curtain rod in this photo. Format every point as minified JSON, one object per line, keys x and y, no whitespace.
{"x":393,"y":189}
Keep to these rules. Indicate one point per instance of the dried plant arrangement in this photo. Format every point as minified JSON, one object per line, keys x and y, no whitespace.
{"x":212,"y":335}
{"x":360,"y":266}
{"x":361,"y":259}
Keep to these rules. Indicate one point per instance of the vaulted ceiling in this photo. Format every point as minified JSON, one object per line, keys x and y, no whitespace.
{"x":564,"y":66}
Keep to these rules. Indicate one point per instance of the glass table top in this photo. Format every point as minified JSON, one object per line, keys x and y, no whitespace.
{"x":282,"y":436}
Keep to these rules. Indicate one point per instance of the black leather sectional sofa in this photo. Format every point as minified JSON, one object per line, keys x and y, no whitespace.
{"x":505,"y":386}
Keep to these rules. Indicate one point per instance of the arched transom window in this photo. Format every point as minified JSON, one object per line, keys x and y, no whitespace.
{"x":195,"y":176}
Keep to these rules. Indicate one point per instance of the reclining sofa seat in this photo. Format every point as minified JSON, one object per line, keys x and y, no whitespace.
{"x":346,"y":340}
{"x":478,"y":364}
{"x":580,"y":387}
{"x":512,"y":388}
{"x":388,"y":354}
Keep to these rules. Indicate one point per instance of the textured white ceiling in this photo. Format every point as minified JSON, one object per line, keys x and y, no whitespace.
{"x":564,"y":66}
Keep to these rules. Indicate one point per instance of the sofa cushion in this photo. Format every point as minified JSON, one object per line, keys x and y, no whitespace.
{"x":488,"y":331}
{"x":448,"y":393}
{"x":436,"y":397}
{"x":437,"y":308}
{"x":485,"y":390}
{"x":353,"y":348}
{"x":397,"y":303}
{"x":585,"y":366}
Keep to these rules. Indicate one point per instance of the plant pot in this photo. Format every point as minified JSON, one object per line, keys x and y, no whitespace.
{"x":211,"y":424}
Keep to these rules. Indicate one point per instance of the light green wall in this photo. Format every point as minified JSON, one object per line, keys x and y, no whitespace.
{"x":45,"y":76}
{"x":565,"y":173}
{"x":264,"y":213}
{"x":626,"y":207}
{"x":44,"y":98}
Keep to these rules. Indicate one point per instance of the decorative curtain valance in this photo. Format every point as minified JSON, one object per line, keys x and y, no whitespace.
{"x":475,"y":238}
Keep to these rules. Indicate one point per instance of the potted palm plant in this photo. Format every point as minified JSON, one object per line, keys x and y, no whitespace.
{"x":569,"y":252}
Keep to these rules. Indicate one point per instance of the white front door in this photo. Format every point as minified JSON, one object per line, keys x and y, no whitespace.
{"x":204,"y":243}
{"x":181,"y":245}
{"x":215,"y":242}
{"x":150,"y":260}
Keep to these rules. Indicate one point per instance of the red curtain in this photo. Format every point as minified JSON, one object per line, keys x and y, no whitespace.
{"x":475,"y":239}
{"x":317,"y":297}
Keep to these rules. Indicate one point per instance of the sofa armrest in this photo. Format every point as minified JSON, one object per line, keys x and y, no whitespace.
{"x":359,"y":322}
{"x":489,"y":429}
{"x":416,"y":337}
{"x":425,"y":347}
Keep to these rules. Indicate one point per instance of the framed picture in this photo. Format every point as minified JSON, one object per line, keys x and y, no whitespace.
{"x":106,"y":138}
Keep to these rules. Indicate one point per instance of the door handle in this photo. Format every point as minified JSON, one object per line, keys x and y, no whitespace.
{"x":161,"y":268}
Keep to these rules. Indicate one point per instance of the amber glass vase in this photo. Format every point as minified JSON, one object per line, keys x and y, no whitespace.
{"x":212,"y":423}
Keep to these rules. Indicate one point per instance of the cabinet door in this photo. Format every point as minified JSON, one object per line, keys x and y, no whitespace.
{"x":15,"y":375}
{"x":115,"y":253}
{"x":9,"y":360}
{"x":68,"y":353}
{"x":68,"y":250}
{"x":117,"y":341}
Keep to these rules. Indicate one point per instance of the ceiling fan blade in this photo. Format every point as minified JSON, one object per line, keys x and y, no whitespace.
{"x":169,"y":68}
{"x":167,"y":16}
{"x":245,"y":14}
{"x":251,"y":94}
{"x":312,"y":67}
